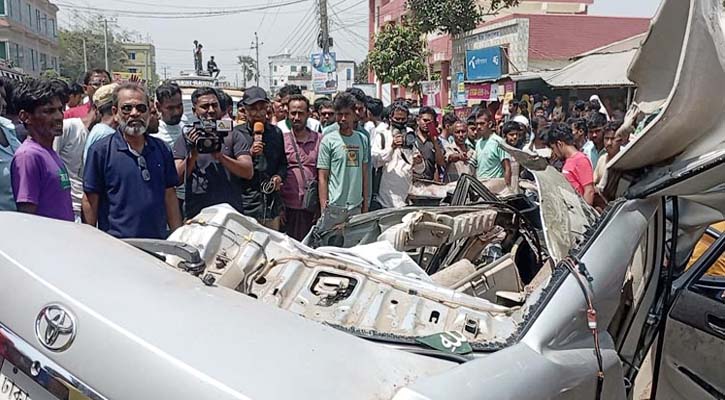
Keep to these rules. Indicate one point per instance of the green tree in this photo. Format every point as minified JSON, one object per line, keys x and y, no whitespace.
{"x":398,"y":55}
{"x":248,"y":66}
{"x":361,"y":71}
{"x":71,"y":48}
{"x":453,"y":16}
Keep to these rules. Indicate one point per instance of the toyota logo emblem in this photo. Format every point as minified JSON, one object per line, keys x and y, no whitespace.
{"x":55,"y":327}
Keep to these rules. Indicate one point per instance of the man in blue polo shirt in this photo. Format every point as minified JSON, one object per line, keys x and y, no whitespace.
{"x":129,"y":178}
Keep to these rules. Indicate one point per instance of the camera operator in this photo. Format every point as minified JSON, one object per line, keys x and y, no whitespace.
{"x":261,"y":192}
{"x":393,"y":154}
{"x":211,"y":178}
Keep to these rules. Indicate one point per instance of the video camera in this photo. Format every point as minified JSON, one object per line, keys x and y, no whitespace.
{"x":211,"y":134}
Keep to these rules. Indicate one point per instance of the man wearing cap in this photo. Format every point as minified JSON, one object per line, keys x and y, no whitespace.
{"x":213,"y":178}
{"x":102,"y":103}
{"x":129,"y":178}
{"x":261,"y":193}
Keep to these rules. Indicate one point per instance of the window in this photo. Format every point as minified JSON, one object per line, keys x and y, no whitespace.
{"x":275,"y":70}
{"x":132,"y":70}
{"x":293,"y":68}
{"x":45,"y":24}
{"x":38,"y":21}
{"x":304,"y":69}
{"x":30,"y":16}
{"x":2,"y":7}
{"x":43,"y":62}
{"x":3,"y":50}
{"x":707,"y":240}
{"x":131,"y":55}
{"x":52,"y":27}
{"x":32,"y":59}
{"x":275,"y":81}
{"x":348,"y":76}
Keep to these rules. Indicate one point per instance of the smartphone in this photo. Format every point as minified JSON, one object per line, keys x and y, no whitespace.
{"x":432,"y":129}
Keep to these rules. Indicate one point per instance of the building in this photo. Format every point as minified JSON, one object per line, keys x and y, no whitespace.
{"x":537,"y":34}
{"x":286,"y":69}
{"x":29,"y":35}
{"x":140,"y":61}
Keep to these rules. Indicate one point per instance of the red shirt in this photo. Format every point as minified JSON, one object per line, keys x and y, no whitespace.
{"x":78,"y":111}
{"x":578,"y":171}
{"x":293,"y":190}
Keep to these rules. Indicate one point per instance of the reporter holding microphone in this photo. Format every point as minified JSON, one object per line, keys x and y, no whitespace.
{"x":261,"y":198}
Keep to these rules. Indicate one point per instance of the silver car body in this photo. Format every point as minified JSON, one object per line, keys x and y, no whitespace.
{"x":286,"y":321}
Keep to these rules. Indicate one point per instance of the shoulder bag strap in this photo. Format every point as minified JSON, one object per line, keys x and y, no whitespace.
{"x":297,"y":153}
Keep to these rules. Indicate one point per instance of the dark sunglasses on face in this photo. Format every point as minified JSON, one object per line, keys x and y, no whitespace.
{"x":127,"y":108}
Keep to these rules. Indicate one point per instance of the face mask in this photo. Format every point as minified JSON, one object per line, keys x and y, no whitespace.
{"x":399,"y":126}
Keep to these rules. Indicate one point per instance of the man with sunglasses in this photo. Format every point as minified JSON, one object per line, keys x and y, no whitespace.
{"x":129,"y":178}
{"x":92,"y":81}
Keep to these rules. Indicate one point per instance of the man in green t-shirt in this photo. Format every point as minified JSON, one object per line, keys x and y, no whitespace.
{"x":342,"y":163}
{"x":491,"y":158}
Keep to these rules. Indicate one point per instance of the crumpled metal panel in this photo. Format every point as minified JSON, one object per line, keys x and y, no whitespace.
{"x":339,"y":289}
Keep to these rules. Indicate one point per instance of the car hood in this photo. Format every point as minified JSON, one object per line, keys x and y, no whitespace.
{"x":145,"y":330}
{"x":680,"y":75}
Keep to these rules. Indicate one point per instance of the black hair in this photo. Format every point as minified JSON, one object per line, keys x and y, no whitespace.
{"x":539,"y":108}
{"x":581,"y":124}
{"x":512,"y":126}
{"x":428,"y":110}
{"x":31,"y":94}
{"x":580,"y":105}
{"x":385,"y":115}
{"x":128,"y":86}
{"x":166,"y":91}
{"x":98,"y":71}
{"x":376,"y":107}
{"x":596,"y":120}
{"x":480,"y":112}
{"x":9,"y":85}
{"x":514,"y":103}
{"x":325,"y":103}
{"x":300,"y":97}
{"x":399,"y":106}
{"x":594,"y":104}
{"x":357,"y":93}
{"x":557,"y":132}
{"x":204,"y":91}
{"x":61,"y":89}
{"x":289,"y":90}
{"x":344,"y":101}
{"x":449,"y":119}
{"x":612,"y":126}
{"x":225,"y":100}
{"x":75,"y":89}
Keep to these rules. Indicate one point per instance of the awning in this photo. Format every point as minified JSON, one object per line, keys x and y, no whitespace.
{"x":595,"y":71}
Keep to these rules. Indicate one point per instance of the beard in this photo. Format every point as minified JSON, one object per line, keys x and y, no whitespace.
{"x":174,"y":121}
{"x":137,"y":129}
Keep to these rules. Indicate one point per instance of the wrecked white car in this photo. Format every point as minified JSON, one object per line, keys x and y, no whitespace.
{"x":481,"y":300}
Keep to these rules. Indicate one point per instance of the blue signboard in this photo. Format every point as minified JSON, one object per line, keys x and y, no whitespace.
{"x":459,"y":90}
{"x":484,"y":63}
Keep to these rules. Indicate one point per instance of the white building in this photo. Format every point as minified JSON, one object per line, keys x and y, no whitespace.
{"x":286,"y":69}
{"x":29,"y":35}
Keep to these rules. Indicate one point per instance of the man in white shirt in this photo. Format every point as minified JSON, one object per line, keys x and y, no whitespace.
{"x":70,"y":146}
{"x":285,"y":125}
{"x":171,"y":107}
{"x":392,"y":153}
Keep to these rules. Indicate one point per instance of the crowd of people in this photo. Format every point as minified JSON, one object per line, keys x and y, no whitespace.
{"x":133,"y":165}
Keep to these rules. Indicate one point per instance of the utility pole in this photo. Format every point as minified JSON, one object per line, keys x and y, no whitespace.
{"x":255,"y":46}
{"x":105,"y":40}
{"x":324,"y":30}
{"x":166,"y":76}
{"x":85,"y":56}
{"x":244,"y":75}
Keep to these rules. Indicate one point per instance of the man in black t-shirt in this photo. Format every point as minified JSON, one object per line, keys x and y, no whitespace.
{"x":260,"y":193}
{"x":214,"y":178}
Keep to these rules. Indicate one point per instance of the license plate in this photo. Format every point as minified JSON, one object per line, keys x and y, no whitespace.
{"x":10,"y":390}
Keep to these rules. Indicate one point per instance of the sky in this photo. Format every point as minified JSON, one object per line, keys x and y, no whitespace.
{"x":228,"y":35}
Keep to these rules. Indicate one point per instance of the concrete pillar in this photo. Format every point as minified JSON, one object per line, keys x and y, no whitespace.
{"x":445,"y":83}
{"x":372,"y":24}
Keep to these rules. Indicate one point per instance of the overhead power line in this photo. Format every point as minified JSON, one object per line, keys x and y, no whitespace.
{"x":176,"y":14}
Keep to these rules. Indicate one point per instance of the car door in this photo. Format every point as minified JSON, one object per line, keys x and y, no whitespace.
{"x":691,"y":365}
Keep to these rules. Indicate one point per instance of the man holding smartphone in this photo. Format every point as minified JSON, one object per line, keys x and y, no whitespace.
{"x":427,"y":145}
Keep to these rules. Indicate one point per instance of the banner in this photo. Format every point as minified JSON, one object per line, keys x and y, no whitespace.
{"x":324,"y":79}
{"x":431,"y":91}
{"x":477,"y":92}
{"x":485,"y":63}
{"x":459,"y":90}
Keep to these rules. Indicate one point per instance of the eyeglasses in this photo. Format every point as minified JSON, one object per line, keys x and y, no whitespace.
{"x":327,"y":114}
{"x":145,"y":174}
{"x":127,"y":108}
